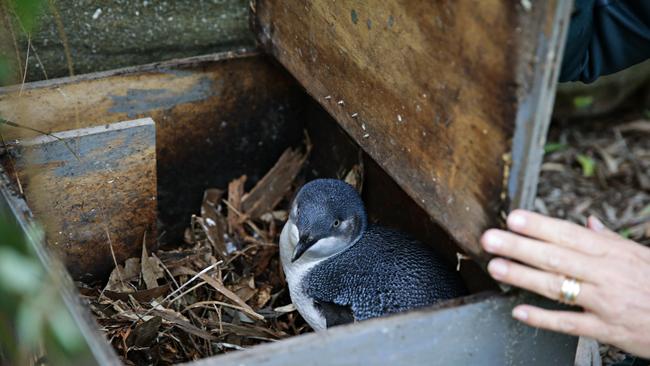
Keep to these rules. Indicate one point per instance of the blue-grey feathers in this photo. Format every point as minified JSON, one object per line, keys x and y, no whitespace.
{"x":383,"y":273}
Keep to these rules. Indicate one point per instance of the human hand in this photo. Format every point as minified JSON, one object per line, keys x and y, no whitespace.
{"x":615,"y":275}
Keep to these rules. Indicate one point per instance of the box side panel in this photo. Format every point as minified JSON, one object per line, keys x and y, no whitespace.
{"x":429,"y":89}
{"x":94,"y":192}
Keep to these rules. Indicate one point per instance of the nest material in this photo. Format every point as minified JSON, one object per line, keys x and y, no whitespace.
{"x":222,"y":290}
{"x":600,"y":169}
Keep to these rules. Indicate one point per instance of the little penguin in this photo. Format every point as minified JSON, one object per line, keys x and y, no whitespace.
{"x":340,"y":269}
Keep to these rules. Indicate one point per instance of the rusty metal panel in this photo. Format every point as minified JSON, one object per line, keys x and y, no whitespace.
{"x":94,"y":191}
{"x":431,"y":90}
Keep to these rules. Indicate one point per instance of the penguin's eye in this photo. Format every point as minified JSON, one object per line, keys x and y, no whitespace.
{"x":336,"y":223}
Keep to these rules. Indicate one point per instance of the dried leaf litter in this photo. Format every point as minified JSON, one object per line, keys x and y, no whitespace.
{"x":222,"y":290}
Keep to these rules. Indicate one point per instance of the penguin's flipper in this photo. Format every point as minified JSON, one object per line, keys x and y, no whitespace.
{"x":335,"y":314}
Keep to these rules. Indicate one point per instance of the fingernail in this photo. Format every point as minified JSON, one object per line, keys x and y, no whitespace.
{"x":492,"y":241}
{"x":595,"y":224}
{"x":498,"y":268}
{"x":516,"y":221}
{"x":519,"y":313}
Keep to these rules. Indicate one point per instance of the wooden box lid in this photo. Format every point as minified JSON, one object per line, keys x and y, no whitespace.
{"x":451,"y":98}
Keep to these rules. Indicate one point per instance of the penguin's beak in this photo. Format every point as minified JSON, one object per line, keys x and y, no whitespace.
{"x":303,"y":244}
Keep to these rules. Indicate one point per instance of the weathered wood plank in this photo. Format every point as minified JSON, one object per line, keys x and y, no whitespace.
{"x":94,"y":191}
{"x":217,"y":117}
{"x":431,"y":90}
{"x":481,"y":332}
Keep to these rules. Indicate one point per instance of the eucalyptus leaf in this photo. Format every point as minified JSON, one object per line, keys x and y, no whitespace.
{"x":19,"y":273}
{"x":64,"y":329}
{"x":30,"y":319}
{"x":583,"y":101}
{"x":588,"y":165}
{"x":11,"y":235}
{"x":552,"y":147}
{"x":625,"y":233}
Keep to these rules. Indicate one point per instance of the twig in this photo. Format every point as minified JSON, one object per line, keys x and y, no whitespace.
{"x":29,"y":45}
{"x":459,"y":258}
{"x":203,"y":271}
{"x":38,"y":59}
{"x":186,"y":292}
{"x":206,"y":304}
{"x":64,"y":37}
{"x":22,"y":27}
{"x":16,"y":125}
{"x":242,"y":216}
{"x":194,"y":278}
{"x":166,"y":269}
{"x":218,"y":310}
{"x":110,"y":245}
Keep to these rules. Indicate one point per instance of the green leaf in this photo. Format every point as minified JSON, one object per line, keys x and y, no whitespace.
{"x":64,"y":329}
{"x":11,"y":235}
{"x":588,"y":165}
{"x":27,"y":12}
{"x":583,"y":101}
{"x":30,"y":319}
{"x":18,"y":273}
{"x":626,"y":233}
{"x":552,"y":147}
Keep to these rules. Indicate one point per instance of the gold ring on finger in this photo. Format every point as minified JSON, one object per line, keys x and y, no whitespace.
{"x":569,"y":291}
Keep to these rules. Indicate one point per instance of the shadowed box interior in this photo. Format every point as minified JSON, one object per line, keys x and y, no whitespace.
{"x":216,"y":118}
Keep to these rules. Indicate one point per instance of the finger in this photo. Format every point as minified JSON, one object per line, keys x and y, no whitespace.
{"x":540,"y":282}
{"x":539,"y":254}
{"x":596,"y":225}
{"x":570,"y":322}
{"x":558,"y":232}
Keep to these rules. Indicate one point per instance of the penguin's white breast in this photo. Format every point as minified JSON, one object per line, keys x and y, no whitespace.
{"x":295,"y":272}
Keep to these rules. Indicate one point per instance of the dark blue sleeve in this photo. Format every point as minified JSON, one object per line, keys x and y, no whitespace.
{"x":605,"y":36}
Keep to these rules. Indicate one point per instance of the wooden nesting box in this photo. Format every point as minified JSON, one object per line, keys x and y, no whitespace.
{"x":448,"y":101}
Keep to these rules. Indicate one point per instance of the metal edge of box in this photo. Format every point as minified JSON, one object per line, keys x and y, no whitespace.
{"x":452,"y":335}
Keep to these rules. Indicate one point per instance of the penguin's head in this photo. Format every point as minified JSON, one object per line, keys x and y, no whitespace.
{"x":329,"y":217}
